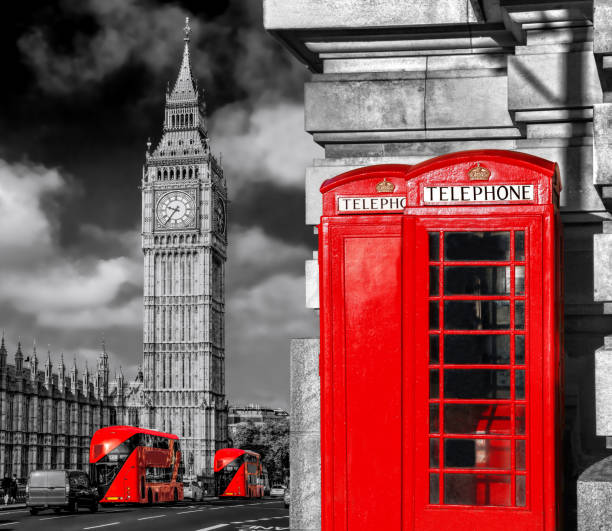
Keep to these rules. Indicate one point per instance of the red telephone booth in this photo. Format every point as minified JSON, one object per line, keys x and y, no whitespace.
{"x":441,"y":339}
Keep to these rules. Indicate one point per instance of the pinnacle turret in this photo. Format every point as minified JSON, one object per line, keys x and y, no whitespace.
{"x":3,"y":352}
{"x":48,"y":368}
{"x":86,"y":380}
{"x":34,"y":362}
{"x":74,"y":376}
{"x":19,"y":358}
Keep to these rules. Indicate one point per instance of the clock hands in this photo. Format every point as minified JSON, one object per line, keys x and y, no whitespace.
{"x":174,"y":211}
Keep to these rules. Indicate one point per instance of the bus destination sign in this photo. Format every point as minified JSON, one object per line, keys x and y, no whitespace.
{"x":492,"y":193}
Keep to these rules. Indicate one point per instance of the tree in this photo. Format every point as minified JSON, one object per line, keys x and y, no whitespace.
{"x":271,"y":441}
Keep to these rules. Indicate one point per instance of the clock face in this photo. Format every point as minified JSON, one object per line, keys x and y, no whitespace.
{"x":220,"y":215}
{"x":175,"y":210}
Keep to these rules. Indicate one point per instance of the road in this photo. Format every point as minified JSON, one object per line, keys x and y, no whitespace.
{"x":222,"y":515}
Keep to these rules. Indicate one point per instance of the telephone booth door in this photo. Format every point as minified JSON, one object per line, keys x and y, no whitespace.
{"x":440,"y":363}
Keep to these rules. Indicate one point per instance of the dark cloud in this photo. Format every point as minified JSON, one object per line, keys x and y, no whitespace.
{"x":279,"y":210}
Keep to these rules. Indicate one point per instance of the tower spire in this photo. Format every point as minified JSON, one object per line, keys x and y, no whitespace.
{"x":187,"y":29}
{"x":184,"y":87}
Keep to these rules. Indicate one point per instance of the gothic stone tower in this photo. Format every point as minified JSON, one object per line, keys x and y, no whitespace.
{"x":184,"y":243}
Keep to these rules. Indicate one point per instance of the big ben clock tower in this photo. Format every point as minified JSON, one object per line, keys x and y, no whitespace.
{"x":184,"y":243}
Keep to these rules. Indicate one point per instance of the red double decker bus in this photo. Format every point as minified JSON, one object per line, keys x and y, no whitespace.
{"x":238,"y":473}
{"x":133,"y":465}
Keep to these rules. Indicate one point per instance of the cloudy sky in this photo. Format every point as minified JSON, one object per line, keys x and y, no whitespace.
{"x":82,"y":90}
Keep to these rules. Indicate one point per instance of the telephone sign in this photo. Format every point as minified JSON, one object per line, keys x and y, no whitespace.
{"x":441,"y":366}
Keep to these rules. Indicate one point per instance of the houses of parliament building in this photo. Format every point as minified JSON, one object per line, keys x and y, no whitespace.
{"x":47,"y":417}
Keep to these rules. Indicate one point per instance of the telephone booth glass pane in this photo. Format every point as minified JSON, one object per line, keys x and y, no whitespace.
{"x":478,"y":365}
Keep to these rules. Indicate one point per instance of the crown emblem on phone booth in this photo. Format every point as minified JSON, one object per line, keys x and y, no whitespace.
{"x":385,"y":187}
{"x":479,"y":173}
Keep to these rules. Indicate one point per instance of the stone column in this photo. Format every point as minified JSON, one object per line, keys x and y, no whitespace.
{"x":304,"y":441}
{"x":595,"y":483}
{"x":594,"y":496}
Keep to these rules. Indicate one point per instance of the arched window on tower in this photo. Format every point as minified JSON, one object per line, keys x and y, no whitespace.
{"x":182,"y":119}
{"x":190,"y":173}
{"x":184,"y":172}
{"x":171,"y":174}
{"x":165,"y":175}
{"x":197,"y":172}
{"x":191,"y":119}
{"x":159,"y":174}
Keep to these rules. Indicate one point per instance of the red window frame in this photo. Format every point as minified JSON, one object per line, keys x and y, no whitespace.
{"x":416,"y":252}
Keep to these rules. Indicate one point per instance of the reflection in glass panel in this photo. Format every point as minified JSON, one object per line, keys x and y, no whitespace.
{"x":434,"y":488}
{"x":519,"y":350}
{"x":434,"y":287}
{"x":519,"y":280}
{"x":478,"y":418}
{"x":477,"y":489}
{"x":519,"y":425}
{"x":519,"y":315}
{"x":520,"y":455}
{"x":521,"y":491}
{"x":477,"y":315}
{"x":434,"y":246}
{"x":477,"y":349}
{"x":434,"y":383}
{"x":434,"y":317}
{"x":476,"y":280}
{"x":477,"y":383}
{"x":434,"y":348}
{"x":471,"y":246}
{"x":519,"y":384}
{"x":519,"y":245}
{"x":434,"y":418}
{"x":434,"y":453}
{"x":477,"y":453}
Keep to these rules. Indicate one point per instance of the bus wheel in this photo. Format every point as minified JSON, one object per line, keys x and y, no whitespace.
{"x":94,"y":507}
{"x":33,"y":511}
{"x":150,"y":498}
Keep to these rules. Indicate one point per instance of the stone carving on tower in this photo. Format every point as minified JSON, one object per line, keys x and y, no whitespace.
{"x":184,"y":243}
